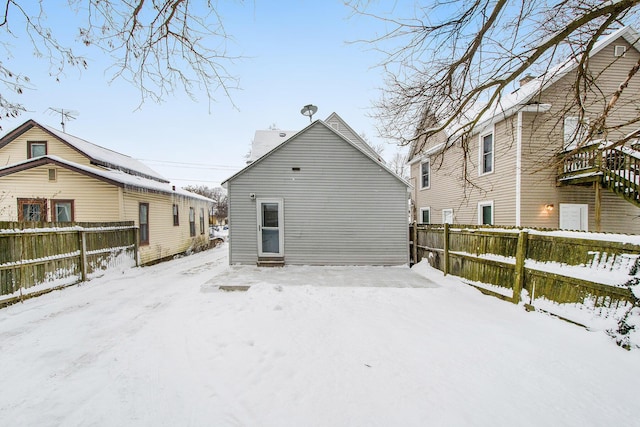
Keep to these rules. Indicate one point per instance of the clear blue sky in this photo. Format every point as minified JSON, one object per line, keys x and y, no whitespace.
{"x":295,"y":54}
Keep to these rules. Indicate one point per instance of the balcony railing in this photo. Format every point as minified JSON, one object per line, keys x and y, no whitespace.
{"x":618,"y":169}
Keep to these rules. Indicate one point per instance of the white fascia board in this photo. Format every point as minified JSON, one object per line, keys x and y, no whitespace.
{"x":532,"y":108}
{"x":430,"y":152}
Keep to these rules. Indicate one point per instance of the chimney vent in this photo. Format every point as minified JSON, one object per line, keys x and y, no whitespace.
{"x":526,"y":79}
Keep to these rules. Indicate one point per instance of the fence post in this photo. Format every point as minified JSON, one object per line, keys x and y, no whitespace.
{"x":445,"y":268}
{"x":521,"y":255}
{"x":82,"y":240}
{"x":414,"y":249}
{"x":136,"y":249}
{"x":23,"y":269}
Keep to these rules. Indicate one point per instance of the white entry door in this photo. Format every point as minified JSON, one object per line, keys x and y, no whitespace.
{"x":270,"y":227}
{"x":574,"y":216}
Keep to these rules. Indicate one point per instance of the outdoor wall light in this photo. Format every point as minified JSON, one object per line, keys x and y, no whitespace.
{"x":549,"y":207}
{"x":252,"y":196}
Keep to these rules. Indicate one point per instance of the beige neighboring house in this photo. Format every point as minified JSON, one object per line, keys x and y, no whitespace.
{"x":48,"y":175}
{"x":516,"y":177}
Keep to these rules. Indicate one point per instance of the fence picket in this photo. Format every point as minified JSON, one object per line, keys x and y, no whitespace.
{"x":50,"y":253}
{"x":467,"y":247}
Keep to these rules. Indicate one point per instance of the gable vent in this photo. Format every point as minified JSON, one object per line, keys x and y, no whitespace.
{"x":619,"y":50}
{"x":52,"y":175}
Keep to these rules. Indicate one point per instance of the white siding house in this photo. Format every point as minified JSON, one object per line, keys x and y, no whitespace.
{"x":318,"y":199}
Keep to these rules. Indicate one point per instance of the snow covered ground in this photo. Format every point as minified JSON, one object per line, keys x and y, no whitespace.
{"x":305,"y":346}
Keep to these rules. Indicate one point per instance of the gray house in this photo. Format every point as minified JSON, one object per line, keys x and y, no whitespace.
{"x":320,"y":197}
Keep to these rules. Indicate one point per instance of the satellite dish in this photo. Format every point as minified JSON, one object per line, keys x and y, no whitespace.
{"x":309,"y":110}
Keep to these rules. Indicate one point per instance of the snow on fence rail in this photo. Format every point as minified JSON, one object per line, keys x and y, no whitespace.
{"x":576,"y":275}
{"x":36,"y":257}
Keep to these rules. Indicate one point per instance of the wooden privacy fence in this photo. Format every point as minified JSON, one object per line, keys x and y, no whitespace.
{"x":552,"y":268}
{"x":44,"y":256}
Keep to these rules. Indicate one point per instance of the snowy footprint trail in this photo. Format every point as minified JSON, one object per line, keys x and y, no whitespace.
{"x":313,"y":346}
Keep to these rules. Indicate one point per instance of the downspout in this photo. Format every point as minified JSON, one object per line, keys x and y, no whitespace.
{"x":518,"y":167}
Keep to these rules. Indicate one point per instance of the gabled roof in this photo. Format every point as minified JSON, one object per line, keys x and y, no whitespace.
{"x":98,"y":155}
{"x":266,"y":140}
{"x":114,"y":177}
{"x":521,"y":98}
{"x":294,"y":137}
{"x":352,"y":135}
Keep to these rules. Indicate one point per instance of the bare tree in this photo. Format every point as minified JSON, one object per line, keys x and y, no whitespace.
{"x":220,"y":207}
{"x":454,"y":60}
{"x":378,"y":148}
{"x":157,"y":45}
{"x":398,"y":164}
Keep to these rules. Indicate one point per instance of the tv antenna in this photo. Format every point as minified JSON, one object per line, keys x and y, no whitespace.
{"x":65,"y":115}
{"x":309,"y":110}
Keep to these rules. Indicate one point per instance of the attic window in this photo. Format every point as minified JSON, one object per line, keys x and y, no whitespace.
{"x":36,"y":149}
{"x":619,"y":51}
{"x":52,"y":174}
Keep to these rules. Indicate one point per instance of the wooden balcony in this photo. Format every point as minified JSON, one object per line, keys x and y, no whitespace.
{"x":616,"y":169}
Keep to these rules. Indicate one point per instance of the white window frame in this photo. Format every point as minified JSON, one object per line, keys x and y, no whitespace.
{"x":428,"y":209}
{"x":620,"y":51}
{"x":570,"y":133}
{"x":280,"y":227}
{"x":493,"y":213}
{"x":428,"y":163}
{"x":447,"y":211}
{"x":481,"y":153}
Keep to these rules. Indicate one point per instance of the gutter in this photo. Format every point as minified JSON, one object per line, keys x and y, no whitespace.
{"x":518,"y":168}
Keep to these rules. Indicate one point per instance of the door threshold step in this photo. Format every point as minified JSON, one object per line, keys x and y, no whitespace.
{"x":232,"y":288}
{"x":270,"y":262}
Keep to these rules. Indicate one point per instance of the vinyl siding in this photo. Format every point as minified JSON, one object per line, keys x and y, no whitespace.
{"x":449,"y":190}
{"x":165,"y":239}
{"x":16,"y":150}
{"x":94,"y":200}
{"x":340,"y":208}
{"x":542,"y":138}
{"x":97,"y":201}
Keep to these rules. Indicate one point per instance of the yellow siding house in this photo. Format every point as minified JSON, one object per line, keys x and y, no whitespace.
{"x":47,"y":175}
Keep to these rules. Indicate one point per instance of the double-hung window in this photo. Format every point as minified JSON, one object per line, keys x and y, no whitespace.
{"x":144,"y":223}
{"x":575,"y":131}
{"x":425,"y":174}
{"x":176,"y":218}
{"x":486,"y":153}
{"x":485,"y":213}
{"x":425,"y":215}
{"x":192,"y":222}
